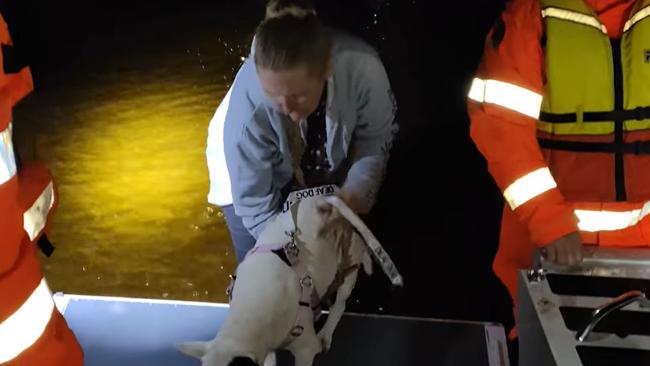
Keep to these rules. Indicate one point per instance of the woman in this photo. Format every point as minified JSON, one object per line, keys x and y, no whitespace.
{"x":309,"y":107}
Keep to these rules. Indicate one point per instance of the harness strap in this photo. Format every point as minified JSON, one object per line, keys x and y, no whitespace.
{"x":310,"y":301}
{"x":339,"y":278}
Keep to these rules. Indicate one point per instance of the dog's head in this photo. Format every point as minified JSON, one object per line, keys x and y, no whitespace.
{"x":213,"y":354}
{"x":319,"y":221}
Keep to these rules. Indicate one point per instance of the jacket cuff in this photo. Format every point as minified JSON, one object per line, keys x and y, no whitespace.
{"x":548,"y":218}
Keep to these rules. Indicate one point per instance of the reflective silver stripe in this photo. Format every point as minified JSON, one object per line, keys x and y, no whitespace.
{"x":639,"y":16}
{"x":506,"y":95}
{"x":7,"y":158}
{"x":25,"y":326}
{"x":528,"y":187}
{"x":594,"y":221}
{"x":35,"y":218}
{"x":575,"y":17}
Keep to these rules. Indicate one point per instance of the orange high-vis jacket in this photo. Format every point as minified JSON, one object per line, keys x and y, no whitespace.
{"x":551,"y":193}
{"x":32,"y":331}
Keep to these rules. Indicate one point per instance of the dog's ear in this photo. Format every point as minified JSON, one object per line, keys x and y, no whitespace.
{"x":330,"y":216}
{"x":242,"y":361}
{"x":323,"y":207}
{"x":194,"y":349}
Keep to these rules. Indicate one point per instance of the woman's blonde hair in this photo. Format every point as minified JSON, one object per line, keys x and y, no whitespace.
{"x":291,"y":35}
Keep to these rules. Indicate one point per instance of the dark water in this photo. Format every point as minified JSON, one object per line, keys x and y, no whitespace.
{"x":124,"y":137}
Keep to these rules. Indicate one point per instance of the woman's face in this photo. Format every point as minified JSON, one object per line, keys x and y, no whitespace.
{"x":295,"y":92}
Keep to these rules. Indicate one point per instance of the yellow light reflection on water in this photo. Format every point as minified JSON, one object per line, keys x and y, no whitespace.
{"x":129,"y":161}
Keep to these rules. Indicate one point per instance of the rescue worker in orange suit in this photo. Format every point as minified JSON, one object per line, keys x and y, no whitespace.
{"x":32,"y":331}
{"x":560,"y":109}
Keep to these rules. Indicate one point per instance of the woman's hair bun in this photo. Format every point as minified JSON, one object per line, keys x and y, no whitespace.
{"x":296,"y":8}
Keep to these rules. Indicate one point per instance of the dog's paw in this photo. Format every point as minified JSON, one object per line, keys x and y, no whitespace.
{"x":270,"y":360}
{"x":325,"y":340}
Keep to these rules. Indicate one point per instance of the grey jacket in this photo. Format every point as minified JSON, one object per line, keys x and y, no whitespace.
{"x":360,"y":126}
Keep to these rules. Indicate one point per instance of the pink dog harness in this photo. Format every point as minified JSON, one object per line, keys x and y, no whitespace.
{"x":310,"y":303}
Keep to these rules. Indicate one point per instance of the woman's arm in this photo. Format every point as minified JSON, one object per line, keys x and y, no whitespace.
{"x":372,"y":137}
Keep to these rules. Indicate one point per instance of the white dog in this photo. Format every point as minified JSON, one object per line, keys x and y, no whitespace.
{"x":273,"y":295}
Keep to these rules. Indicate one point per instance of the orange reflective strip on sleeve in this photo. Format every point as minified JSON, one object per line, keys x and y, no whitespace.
{"x":26,"y":325}
{"x":506,"y":95}
{"x":605,"y":220}
{"x":528,"y":187}
{"x":7,"y":158}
